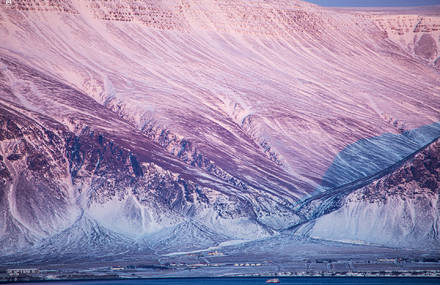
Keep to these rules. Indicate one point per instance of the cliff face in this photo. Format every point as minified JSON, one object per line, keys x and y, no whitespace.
{"x":153,"y":121}
{"x":35,"y":201}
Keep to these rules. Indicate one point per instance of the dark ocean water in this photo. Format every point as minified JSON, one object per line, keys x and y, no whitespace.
{"x":255,"y":281}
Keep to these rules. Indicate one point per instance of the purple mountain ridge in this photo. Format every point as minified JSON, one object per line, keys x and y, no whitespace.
{"x":155,"y":127}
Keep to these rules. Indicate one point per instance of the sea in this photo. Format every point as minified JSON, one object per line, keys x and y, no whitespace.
{"x":253,"y":281}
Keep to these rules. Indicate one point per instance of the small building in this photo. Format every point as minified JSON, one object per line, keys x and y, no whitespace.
{"x":386,"y":259}
{"x":215,"y":253}
{"x":22,"y":271}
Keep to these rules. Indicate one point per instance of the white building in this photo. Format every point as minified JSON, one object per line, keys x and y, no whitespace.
{"x":21,"y":271}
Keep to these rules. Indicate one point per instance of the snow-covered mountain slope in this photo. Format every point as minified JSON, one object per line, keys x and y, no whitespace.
{"x":213,"y":77}
{"x":401,"y":209}
{"x":86,"y":237}
{"x":35,"y":201}
{"x":415,"y":30}
{"x":369,"y":156}
{"x":186,"y":236}
{"x":163,"y":121}
{"x":122,"y":180}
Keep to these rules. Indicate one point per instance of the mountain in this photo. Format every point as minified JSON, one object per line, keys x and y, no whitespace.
{"x":163,"y":126}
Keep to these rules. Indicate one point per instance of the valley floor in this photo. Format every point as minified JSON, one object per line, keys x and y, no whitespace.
{"x":278,"y":256}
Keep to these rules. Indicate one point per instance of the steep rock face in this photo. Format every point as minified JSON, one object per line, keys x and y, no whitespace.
{"x":400,"y":209}
{"x":35,"y":202}
{"x":256,"y":17}
{"x":52,"y":5}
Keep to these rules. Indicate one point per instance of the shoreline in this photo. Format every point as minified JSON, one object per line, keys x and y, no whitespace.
{"x":158,"y":278}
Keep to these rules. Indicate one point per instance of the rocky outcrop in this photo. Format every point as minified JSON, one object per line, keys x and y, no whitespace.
{"x":257,"y":17}
{"x":426,"y":47}
{"x":417,"y":34}
{"x":58,"y":6}
{"x":34,"y":202}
